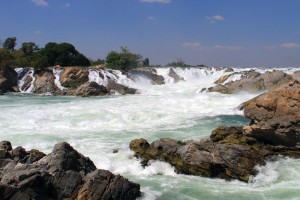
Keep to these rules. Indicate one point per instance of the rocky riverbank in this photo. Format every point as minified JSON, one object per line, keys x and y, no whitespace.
{"x":62,"y":174}
{"x":233,"y":152}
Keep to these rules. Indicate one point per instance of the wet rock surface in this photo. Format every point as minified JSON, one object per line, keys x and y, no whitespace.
{"x":44,"y":82}
{"x":73,"y":77}
{"x":275,"y":116}
{"x":233,"y":152}
{"x":251,"y":81}
{"x":149,"y":73}
{"x":62,"y":174}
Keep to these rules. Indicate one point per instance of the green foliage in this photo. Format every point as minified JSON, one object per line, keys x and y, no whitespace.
{"x":29,"y":48}
{"x":178,"y":63}
{"x":6,"y":58}
{"x":97,"y":62}
{"x":10,"y":43}
{"x":125,"y":60}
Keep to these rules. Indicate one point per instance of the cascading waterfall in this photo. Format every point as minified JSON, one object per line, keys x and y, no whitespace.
{"x":57,"y":73}
{"x":25,"y":79}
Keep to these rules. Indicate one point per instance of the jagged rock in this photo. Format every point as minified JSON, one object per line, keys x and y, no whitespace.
{"x":73,"y":77}
{"x":175,"y":76}
{"x":8,"y":80}
{"x":1,"y":93}
{"x":113,"y":87}
{"x":62,"y":174}
{"x":44,"y":82}
{"x":251,"y":81}
{"x":89,"y":89}
{"x":150,"y":74}
{"x":233,"y":152}
{"x":275,"y":116}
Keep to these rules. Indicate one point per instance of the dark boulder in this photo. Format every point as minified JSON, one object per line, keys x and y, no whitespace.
{"x":89,"y":89}
{"x":62,"y":174}
{"x":114,"y":87}
{"x":8,"y":79}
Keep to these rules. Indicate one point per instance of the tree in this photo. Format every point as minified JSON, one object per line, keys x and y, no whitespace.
{"x":146,"y":62}
{"x":6,"y":59}
{"x":29,"y":48}
{"x":10,"y":43}
{"x":63,"y":54}
{"x":125,"y":60}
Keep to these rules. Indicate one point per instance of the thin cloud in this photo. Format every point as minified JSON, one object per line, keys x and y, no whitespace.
{"x":37,"y":32}
{"x":289,"y":45}
{"x":228,"y":47}
{"x":192,"y":45}
{"x":151,"y":18}
{"x":67,"y":5}
{"x":40,"y":2}
{"x":215,"y":18}
{"x":156,"y":1}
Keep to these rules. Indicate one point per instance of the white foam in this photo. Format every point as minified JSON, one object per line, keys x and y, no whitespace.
{"x":57,"y":73}
{"x":28,"y":74}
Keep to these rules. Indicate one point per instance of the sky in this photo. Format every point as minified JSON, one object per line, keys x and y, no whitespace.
{"x":237,"y":33}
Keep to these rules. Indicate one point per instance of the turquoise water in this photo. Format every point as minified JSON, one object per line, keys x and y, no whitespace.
{"x":96,"y":126}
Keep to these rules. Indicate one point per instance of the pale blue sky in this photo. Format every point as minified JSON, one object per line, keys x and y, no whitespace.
{"x":213,"y":32}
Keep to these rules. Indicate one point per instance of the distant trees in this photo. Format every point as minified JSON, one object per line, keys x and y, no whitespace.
{"x":146,"y":62}
{"x":30,"y":55}
{"x":124,"y":60}
{"x":10,"y":43}
{"x":6,"y":58}
{"x":178,"y":63}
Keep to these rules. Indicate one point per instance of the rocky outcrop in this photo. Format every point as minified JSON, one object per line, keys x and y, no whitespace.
{"x":150,"y":74}
{"x":44,"y":82}
{"x":8,"y":80}
{"x":114,"y":87}
{"x":73,"y":77}
{"x":88,"y":89}
{"x":275,"y":116}
{"x":233,"y":152}
{"x":251,"y":81}
{"x":62,"y":174}
{"x":175,"y":76}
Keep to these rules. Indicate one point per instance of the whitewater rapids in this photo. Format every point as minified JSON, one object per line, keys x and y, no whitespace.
{"x":98,"y":126}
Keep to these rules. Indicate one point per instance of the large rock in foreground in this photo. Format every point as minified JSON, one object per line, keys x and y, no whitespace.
{"x":62,"y":174}
{"x":275,"y":116}
{"x":8,"y":80}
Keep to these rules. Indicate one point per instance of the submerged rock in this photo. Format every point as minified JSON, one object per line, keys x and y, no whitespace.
{"x":150,"y":74}
{"x":175,"y":76}
{"x":8,"y":79}
{"x":62,"y":174}
{"x":89,"y":89}
{"x":114,"y":87}
{"x":233,"y":152}
{"x":251,"y":81}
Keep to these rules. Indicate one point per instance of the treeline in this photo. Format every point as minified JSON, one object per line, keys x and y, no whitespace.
{"x":63,"y":54}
